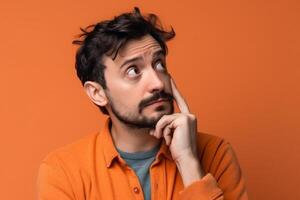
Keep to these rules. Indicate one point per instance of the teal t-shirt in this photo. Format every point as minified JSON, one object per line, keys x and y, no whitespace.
{"x":140,"y":162}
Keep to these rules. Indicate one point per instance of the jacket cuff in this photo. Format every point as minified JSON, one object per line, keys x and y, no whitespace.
{"x":206,"y":188}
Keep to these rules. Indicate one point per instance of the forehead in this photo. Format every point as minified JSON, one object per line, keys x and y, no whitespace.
{"x":145,"y":46}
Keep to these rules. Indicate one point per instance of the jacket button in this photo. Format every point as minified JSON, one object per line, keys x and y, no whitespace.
{"x":136,"y":190}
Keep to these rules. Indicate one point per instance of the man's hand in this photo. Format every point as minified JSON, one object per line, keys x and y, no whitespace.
{"x":179,"y":131}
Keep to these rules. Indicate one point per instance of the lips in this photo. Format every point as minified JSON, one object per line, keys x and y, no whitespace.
{"x":157,"y":101}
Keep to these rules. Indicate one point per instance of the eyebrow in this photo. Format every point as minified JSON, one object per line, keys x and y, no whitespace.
{"x":156,"y":54}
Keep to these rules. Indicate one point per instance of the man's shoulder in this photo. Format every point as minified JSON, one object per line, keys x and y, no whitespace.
{"x":215,"y":153}
{"x":73,"y":152}
{"x":209,"y":144}
{"x":206,"y":138}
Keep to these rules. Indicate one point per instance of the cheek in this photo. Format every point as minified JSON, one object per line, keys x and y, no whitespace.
{"x":123,"y":94}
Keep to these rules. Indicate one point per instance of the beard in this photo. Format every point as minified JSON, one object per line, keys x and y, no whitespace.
{"x":137,"y":119}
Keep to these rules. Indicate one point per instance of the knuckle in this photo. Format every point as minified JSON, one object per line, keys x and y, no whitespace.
{"x":185,"y":118}
{"x":192,"y":117}
{"x":160,"y":122}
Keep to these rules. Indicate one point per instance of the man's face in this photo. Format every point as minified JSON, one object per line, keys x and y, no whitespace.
{"x":138,"y":84}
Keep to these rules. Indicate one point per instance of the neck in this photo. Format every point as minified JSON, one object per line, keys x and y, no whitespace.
{"x":131,"y":140}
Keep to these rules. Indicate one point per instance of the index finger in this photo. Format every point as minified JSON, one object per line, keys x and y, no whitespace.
{"x":182,"y":105}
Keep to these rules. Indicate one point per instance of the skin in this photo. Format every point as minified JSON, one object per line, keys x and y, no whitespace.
{"x":129,"y":84}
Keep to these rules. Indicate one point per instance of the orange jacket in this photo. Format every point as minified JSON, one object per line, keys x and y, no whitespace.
{"x":91,"y":169}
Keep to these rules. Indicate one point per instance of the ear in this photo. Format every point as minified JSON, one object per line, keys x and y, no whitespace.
{"x":96,"y":93}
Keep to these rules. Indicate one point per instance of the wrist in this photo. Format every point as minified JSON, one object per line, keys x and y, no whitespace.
{"x":190,"y":169}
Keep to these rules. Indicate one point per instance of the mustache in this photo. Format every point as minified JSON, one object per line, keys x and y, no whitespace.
{"x":158,"y":95}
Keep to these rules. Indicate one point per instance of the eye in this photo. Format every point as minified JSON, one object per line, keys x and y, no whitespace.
{"x":132,"y":71}
{"x":160,"y":66}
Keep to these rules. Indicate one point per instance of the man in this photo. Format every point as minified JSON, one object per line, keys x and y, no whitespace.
{"x":145,"y":150}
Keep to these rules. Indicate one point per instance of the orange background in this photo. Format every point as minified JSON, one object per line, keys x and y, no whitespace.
{"x":236,"y":63}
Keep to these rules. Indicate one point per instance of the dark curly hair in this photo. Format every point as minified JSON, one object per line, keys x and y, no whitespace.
{"x":107,"y":37}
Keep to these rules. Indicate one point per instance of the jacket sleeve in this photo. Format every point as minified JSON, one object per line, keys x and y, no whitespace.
{"x":52,"y":182}
{"x":224,"y":180}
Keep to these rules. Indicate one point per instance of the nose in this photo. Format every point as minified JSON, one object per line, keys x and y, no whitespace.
{"x":155,"y":82}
